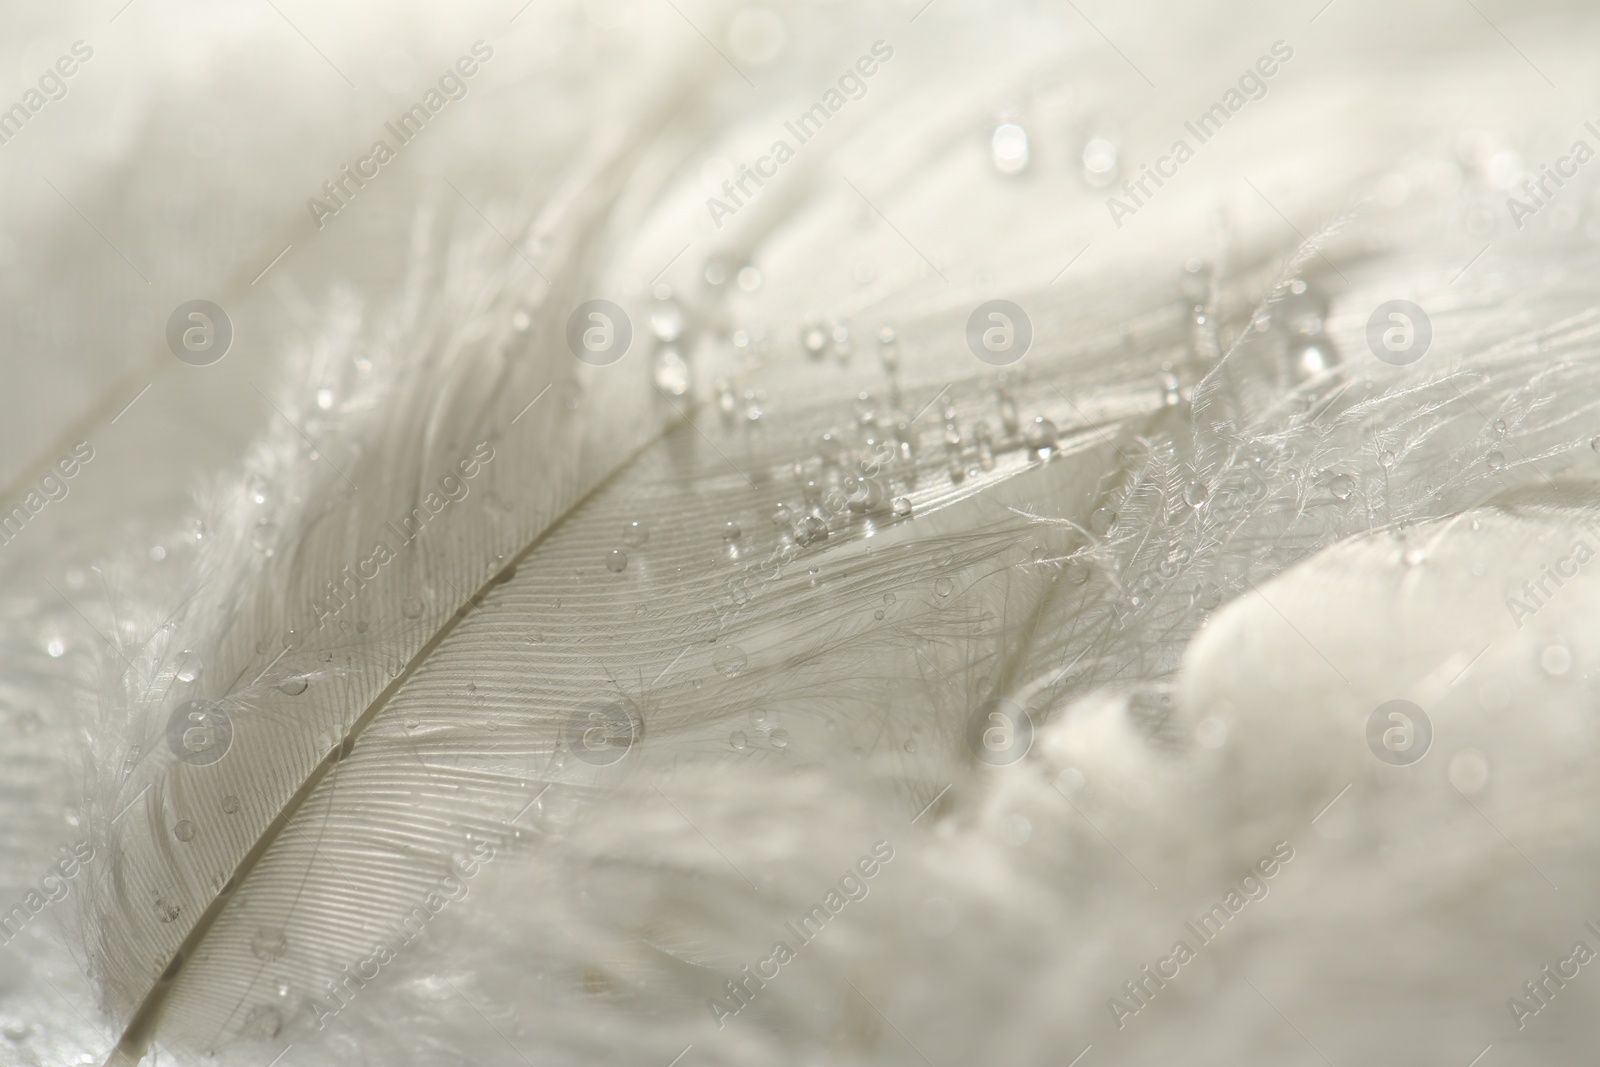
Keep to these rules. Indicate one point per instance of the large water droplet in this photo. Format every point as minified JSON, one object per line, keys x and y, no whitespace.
{"x":616,"y":561}
{"x":294,"y":685}
{"x":672,"y":372}
{"x":268,"y":943}
{"x":738,"y":739}
{"x":943,"y":587}
{"x":1342,"y":485}
{"x":730,"y":660}
{"x":902,"y":507}
{"x":780,"y":739}
{"x":1497,"y":460}
{"x":1008,"y":148}
{"x":183,"y":830}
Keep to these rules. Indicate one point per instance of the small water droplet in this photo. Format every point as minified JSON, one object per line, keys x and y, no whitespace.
{"x":902,"y":507}
{"x":943,"y":587}
{"x":749,"y":278}
{"x":1100,"y":520}
{"x":1100,"y":161}
{"x":731,"y":532}
{"x":1594,"y":443}
{"x":910,"y":745}
{"x":1413,"y":557}
{"x":257,"y":489}
{"x":268,"y":943}
{"x":324,"y":399}
{"x":1497,"y":460}
{"x":672,"y":372}
{"x":730,"y":660}
{"x":780,"y":739}
{"x":1469,"y":771}
{"x":230,"y":804}
{"x":183,"y":830}
{"x":411,"y":607}
{"x":56,"y":647}
{"x":888,"y":598}
{"x":738,"y":739}
{"x":1194,"y":494}
{"x":810,"y":530}
{"x":165,"y":911}
{"x":635,"y":534}
{"x":1008,"y":148}
{"x":1342,"y":485}
{"x":1386,"y":458}
{"x":616,"y":561}
{"x":666,"y":321}
{"x":1500,"y":427}
{"x":264,"y":537}
{"x":1041,"y":435}
{"x":1556,"y":660}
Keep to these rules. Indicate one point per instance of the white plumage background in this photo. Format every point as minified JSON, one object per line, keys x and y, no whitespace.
{"x":415,"y":682}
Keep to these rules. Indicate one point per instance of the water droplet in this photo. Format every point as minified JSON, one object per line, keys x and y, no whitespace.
{"x":325,"y":399}
{"x":1100,"y":520}
{"x":780,"y":739}
{"x":1342,"y":485}
{"x":257,"y":489}
{"x":749,"y":278}
{"x":943,"y":587}
{"x":635,"y":533}
{"x":889,"y":349}
{"x":1041,"y":435}
{"x":1008,"y":147}
{"x":902,"y":507}
{"x":814,"y":339}
{"x":666,"y":322}
{"x":189,"y":665}
{"x":56,"y":647}
{"x":731,"y":532}
{"x":672,"y":372}
{"x":1556,"y":660}
{"x":1469,"y":770}
{"x":264,"y":537}
{"x":1194,"y":494}
{"x":1594,"y":443}
{"x":293,"y":685}
{"x":1413,"y":557}
{"x":1100,"y":161}
{"x":262,"y":1022}
{"x":230,"y":804}
{"x":1500,"y":427}
{"x":1497,"y":460}
{"x":268,"y":944}
{"x":411,"y":607}
{"x":616,"y":561}
{"x":888,"y":598}
{"x":810,"y":530}
{"x":730,"y":660}
{"x":183,"y":830}
{"x":165,"y":911}
{"x":738,"y":739}
{"x":1171,"y":396}
{"x":1386,"y":458}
